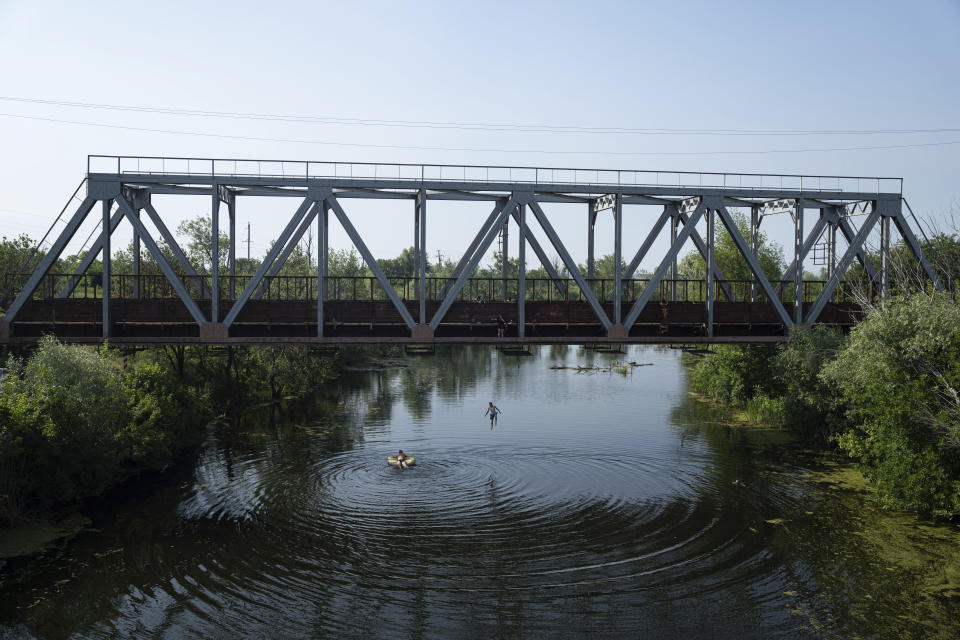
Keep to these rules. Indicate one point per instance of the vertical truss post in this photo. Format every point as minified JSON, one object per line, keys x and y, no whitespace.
{"x":105,"y":286}
{"x":522,"y":275}
{"x":505,"y":258}
{"x":617,"y":250}
{"x":674,"y":223}
{"x":798,"y":261}
{"x":591,"y":221}
{"x":232,"y":212}
{"x":560,"y":286}
{"x":215,"y":254}
{"x":702,"y":248}
{"x":422,"y":256}
{"x":416,"y":237}
{"x":754,"y":246}
{"x":709,"y":270}
{"x":324,"y":255}
{"x":321,"y":265}
{"x":790,"y":274}
{"x":885,"y":257}
{"x":831,"y":243}
{"x":136,"y":260}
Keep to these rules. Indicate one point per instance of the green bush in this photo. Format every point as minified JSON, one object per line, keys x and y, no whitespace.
{"x":73,"y":422}
{"x":734,"y":374}
{"x":811,"y":406}
{"x":899,"y":378}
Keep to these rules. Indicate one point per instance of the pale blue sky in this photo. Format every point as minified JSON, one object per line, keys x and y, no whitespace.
{"x":681,"y":65}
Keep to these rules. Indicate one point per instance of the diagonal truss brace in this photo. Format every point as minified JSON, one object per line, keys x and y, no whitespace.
{"x":702,"y":248}
{"x":481,"y":249}
{"x":570,"y":264}
{"x":911,"y":240}
{"x":665,"y":263}
{"x":168,"y":271}
{"x":174,"y":248}
{"x":849,"y":233}
{"x":291,"y":245}
{"x":668,"y":212}
{"x":856,"y":246}
{"x":371,"y":261}
{"x":88,"y":258}
{"x":755,"y":267}
{"x":471,"y":250}
{"x":268,"y":261}
{"x":541,"y":255}
{"x":788,"y":275}
{"x":58,"y":246}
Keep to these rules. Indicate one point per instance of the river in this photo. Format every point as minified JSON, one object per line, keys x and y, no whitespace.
{"x":604,"y":503}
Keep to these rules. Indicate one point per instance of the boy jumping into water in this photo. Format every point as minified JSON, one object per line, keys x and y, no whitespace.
{"x":493,"y":411}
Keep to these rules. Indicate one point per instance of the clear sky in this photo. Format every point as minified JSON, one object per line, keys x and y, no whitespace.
{"x":782,"y":67}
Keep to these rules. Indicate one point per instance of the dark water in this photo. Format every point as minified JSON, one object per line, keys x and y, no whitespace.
{"x":602,"y":504}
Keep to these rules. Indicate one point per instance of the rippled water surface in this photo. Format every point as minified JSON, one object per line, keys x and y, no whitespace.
{"x":601,"y":504}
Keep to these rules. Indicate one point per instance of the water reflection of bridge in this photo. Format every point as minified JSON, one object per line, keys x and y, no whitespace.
{"x":181,"y":305}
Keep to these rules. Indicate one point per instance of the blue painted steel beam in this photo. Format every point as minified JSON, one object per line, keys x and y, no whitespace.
{"x":371,"y":261}
{"x":161,"y":260}
{"x":471,"y":266}
{"x":855,"y":247}
{"x":58,"y":246}
{"x":268,"y":261}
{"x":772,"y":297}
{"x":570,"y":264}
{"x":651,"y":287}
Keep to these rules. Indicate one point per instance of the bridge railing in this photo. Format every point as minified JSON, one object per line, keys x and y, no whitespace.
{"x":487,"y":289}
{"x":160,"y":166}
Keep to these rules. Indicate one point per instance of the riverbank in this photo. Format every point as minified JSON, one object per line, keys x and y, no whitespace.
{"x":885,"y":396}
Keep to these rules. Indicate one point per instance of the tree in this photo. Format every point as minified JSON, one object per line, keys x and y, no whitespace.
{"x":198,"y":233}
{"x":728,"y":257}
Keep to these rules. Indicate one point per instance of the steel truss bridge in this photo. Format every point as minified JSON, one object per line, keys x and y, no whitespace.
{"x":182,"y":306}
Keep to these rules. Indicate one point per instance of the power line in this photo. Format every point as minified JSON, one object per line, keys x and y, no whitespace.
{"x":472,"y":126}
{"x":473,"y":149}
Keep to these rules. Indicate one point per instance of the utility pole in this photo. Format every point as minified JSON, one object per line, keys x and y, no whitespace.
{"x":248,"y":241}
{"x":439,"y":258}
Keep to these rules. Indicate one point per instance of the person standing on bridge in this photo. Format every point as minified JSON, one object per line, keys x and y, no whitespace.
{"x":493,"y":411}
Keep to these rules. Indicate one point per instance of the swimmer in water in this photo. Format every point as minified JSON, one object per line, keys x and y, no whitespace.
{"x":493,"y":411}
{"x":401,"y":459}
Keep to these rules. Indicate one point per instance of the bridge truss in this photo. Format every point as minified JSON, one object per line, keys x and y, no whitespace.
{"x":218,"y":312}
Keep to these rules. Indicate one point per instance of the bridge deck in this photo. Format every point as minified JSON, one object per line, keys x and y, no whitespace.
{"x":375,"y":321}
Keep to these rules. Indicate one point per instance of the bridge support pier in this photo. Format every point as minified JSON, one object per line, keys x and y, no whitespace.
{"x":618,"y":332}
{"x":213,"y":332}
{"x":422,"y":332}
